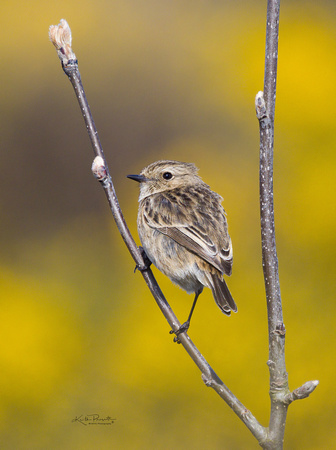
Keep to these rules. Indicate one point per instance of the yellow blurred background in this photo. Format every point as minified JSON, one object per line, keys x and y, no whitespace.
{"x":81,"y":333}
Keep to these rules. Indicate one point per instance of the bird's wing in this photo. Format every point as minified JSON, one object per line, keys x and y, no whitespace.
{"x":192,"y":232}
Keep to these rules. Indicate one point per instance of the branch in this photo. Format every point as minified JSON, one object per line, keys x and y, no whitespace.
{"x":60,"y":36}
{"x":265,"y":107}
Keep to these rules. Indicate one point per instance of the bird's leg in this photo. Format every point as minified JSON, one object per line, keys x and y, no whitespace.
{"x":185,"y":326}
{"x":147,"y":261}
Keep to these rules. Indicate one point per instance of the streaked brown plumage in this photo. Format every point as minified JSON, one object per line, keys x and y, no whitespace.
{"x":183,"y":230}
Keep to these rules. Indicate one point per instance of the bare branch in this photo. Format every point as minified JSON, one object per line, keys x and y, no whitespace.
{"x":265,"y":107}
{"x":271,"y":437}
{"x":101,"y":172}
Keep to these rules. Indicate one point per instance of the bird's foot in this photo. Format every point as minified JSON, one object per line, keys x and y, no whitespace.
{"x":182,"y":329}
{"x":146,"y":260}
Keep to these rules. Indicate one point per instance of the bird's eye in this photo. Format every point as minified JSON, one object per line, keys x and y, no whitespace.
{"x":167,"y":175}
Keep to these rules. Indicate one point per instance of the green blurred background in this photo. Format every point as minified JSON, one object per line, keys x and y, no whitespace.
{"x":81,"y":333}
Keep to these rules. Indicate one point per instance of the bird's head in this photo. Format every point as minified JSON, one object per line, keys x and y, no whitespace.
{"x":165,"y":175}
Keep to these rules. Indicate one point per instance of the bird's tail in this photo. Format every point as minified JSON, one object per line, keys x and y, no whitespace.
{"x":222,"y":295}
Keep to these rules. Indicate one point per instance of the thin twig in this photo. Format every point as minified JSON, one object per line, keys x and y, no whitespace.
{"x":268,"y":438}
{"x":60,"y":35}
{"x":265,"y":107}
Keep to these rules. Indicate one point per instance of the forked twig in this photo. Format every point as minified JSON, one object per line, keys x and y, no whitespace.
{"x":60,"y":36}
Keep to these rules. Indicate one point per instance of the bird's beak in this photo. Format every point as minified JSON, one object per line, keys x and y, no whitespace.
{"x":138,"y":178}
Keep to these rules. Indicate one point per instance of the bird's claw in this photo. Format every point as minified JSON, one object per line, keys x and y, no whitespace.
{"x":182,"y":329}
{"x":147,"y":261}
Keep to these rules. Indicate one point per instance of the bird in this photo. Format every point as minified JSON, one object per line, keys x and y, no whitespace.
{"x":184,"y":232}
